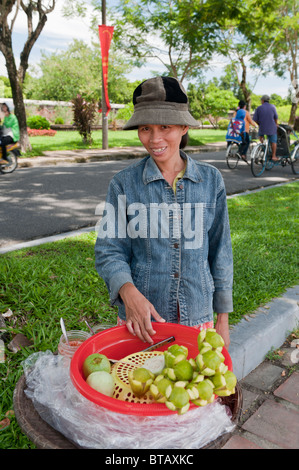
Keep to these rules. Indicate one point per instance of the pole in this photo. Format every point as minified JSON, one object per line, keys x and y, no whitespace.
{"x":104,"y":104}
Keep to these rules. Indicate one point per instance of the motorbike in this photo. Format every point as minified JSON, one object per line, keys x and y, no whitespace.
{"x":13,"y":153}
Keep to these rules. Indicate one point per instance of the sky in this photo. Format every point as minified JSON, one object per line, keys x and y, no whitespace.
{"x":59,"y":32}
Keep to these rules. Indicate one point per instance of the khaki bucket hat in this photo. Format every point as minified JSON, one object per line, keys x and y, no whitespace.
{"x":160,"y":100}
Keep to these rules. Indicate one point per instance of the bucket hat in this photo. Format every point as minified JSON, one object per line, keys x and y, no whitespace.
{"x":160,"y":100}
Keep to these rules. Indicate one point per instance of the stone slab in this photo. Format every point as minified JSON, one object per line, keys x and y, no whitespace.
{"x":239,"y":442}
{"x":289,"y":390}
{"x":276,"y":423}
{"x":264,"y":376}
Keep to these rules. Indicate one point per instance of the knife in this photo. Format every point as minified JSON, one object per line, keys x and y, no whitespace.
{"x":150,"y":348}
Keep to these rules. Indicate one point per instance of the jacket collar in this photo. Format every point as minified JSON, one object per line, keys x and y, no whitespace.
{"x":151,"y":171}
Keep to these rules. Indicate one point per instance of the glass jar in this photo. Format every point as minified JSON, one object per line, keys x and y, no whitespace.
{"x":76,"y":338}
{"x":102,"y":327}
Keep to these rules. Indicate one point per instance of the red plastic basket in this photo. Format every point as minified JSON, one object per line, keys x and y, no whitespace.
{"x":117,"y":343}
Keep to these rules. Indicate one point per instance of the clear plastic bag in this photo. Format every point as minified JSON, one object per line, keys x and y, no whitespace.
{"x":91,"y":426}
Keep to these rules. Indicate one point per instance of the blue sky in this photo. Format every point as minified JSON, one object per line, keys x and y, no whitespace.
{"x":59,"y":32}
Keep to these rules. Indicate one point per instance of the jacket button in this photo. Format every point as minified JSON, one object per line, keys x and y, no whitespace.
{"x":176,"y":245}
{"x":176,"y":275}
{"x":181,"y":186}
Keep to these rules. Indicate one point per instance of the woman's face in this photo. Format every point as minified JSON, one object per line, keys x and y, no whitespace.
{"x":4,"y":108}
{"x":162,"y":141}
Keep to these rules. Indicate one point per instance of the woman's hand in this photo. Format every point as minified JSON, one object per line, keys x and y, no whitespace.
{"x":138,"y":313}
{"x":222,"y":328}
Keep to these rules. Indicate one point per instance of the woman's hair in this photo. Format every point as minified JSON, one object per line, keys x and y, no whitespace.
{"x":241,"y":104}
{"x":184,"y":141}
{"x":4,"y":104}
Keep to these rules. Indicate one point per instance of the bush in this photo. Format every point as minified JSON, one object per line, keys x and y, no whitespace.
{"x":223,"y":124}
{"x":59,"y":120}
{"x":84,"y":115}
{"x":40,"y":132}
{"x":38,"y":122}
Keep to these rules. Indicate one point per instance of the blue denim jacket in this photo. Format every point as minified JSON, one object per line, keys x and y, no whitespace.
{"x":175,"y":248}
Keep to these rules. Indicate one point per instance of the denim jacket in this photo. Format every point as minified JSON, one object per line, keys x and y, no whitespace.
{"x":174,"y":247}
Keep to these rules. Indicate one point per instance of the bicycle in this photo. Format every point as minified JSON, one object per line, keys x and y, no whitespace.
{"x":233,"y":154}
{"x":288,"y":153}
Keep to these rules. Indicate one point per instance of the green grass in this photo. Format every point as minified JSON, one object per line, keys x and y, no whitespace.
{"x":43,"y":283}
{"x":70,"y":140}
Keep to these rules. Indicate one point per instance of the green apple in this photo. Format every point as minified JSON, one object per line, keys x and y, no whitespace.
{"x":96,"y":362}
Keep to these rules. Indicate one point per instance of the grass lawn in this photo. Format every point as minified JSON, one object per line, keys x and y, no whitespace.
{"x":43,"y":283}
{"x":70,"y":140}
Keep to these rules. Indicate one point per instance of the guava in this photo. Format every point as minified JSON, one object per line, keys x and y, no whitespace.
{"x":96,"y":362}
{"x":102,"y":382}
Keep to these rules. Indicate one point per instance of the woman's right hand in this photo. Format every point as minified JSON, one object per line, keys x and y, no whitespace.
{"x":138,"y":313}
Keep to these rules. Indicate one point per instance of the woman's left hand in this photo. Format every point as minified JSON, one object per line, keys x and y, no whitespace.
{"x":222,"y":328}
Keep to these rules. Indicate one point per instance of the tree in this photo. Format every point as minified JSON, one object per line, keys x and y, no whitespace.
{"x":167,"y":31}
{"x":9,"y":10}
{"x":218,"y":103}
{"x":64,"y":74}
{"x":286,"y":47}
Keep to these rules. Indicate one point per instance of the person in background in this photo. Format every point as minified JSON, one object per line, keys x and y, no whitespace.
{"x":163,"y":246}
{"x":10,"y":131}
{"x":242,"y":113}
{"x":266,"y":116}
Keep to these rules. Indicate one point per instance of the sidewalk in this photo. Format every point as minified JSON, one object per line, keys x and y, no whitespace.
{"x":270,"y":414}
{"x":96,"y":155}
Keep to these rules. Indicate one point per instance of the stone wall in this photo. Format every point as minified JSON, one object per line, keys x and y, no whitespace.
{"x":52,"y":110}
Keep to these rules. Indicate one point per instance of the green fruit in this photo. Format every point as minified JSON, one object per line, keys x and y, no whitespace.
{"x":214,"y":339}
{"x":205,"y":390}
{"x":183,"y":370}
{"x":218,"y":380}
{"x":205,"y":393}
{"x":178,"y":398}
{"x":211,"y":360}
{"x":204,"y":347}
{"x":175,"y":354}
{"x":161,"y":389}
{"x":231,"y":380}
{"x":96,"y":362}
{"x":176,"y":349}
{"x":140,"y":380}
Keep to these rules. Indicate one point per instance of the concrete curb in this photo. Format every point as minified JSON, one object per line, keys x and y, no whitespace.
{"x":267,"y":328}
{"x":98,"y":155}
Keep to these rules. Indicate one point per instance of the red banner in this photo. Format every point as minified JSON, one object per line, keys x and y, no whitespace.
{"x":105,"y":34}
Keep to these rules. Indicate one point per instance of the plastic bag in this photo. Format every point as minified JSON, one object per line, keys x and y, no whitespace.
{"x":91,"y":426}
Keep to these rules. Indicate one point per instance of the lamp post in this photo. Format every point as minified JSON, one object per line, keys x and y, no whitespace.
{"x":104,"y":104}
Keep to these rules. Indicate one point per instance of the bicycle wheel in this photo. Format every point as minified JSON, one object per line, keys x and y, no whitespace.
{"x":232,"y":155}
{"x":258,"y":160}
{"x":295,"y":160}
{"x":11,"y":165}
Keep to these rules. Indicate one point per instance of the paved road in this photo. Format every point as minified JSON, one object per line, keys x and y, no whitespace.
{"x":43,"y":201}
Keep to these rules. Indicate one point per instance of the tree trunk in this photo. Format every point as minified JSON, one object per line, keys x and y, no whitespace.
{"x":17,"y":95}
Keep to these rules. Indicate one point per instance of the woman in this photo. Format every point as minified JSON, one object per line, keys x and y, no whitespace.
{"x":243,"y":114}
{"x":11,"y":131}
{"x":163,"y":246}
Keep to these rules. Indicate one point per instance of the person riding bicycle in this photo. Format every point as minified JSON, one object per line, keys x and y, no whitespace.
{"x":10,"y":132}
{"x":267,"y":118}
{"x":242,"y":113}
